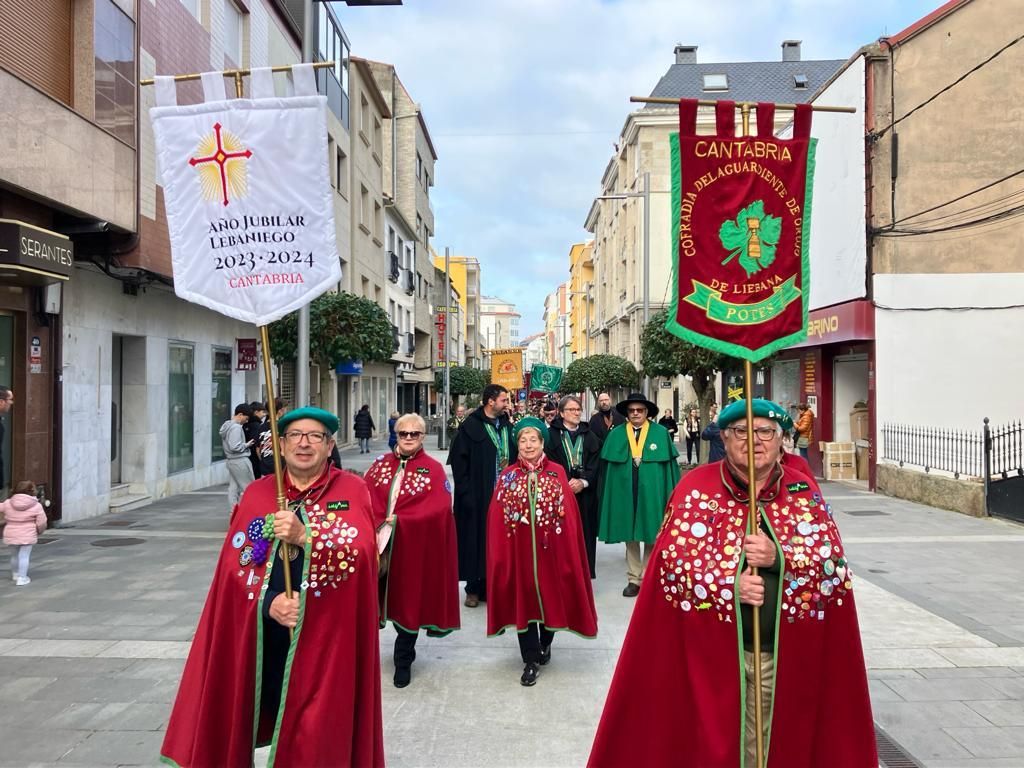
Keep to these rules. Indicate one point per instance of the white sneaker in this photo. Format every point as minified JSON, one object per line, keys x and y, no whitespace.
{"x":21,"y":581}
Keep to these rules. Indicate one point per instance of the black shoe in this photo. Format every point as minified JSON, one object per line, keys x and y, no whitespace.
{"x":631,"y":590}
{"x":545,"y":655}
{"x":530,"y":674}
{"x":403,"y":676}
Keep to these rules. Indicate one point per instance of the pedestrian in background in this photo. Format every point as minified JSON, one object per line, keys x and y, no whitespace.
{"x":669,"y":423}
{"x":364,"y":428}
{"x":605,"y":418}
{"x":392,"y":437}
{"x":692,"y":429}
{"x":456,"y":421}
{"x":252,"y":428}
{"x":25,"y":521}
{"x":712,"y":433}
{"x":236,"y":453}
{"x":266,"y":441}
{"x":537,"y":570}
{"x":804,"y":429}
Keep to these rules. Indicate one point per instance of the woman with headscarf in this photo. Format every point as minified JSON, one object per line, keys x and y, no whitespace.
{"x":412,"y":511}
{"x":537,"y":571}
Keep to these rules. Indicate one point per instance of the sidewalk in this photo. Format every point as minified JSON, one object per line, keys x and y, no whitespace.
{"x":91,"y":651}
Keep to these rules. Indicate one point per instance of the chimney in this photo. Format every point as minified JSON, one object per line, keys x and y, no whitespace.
{"x":686,"y":54}
{"x":791,"y":50}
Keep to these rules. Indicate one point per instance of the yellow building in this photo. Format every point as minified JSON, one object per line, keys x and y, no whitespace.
{"x":465,"y":278}
{"x":581,"y":302}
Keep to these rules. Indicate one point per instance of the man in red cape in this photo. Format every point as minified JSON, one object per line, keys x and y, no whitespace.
{"x":681,"y":691}
{"x":314,"y":697}
{"x":412,"y":511}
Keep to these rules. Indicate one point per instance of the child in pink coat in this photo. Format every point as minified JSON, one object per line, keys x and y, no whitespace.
{"x":25,"y":521}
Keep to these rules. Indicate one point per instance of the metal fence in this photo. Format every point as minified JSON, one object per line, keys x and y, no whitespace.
{"x":991,"y":452}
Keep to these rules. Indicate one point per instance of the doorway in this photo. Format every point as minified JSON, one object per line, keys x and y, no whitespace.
{"x":7,"y":379}
{"x":116,"y":401}
{"x":850,"y":385}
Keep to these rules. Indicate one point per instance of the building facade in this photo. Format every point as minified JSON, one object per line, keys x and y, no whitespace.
{"x":581,"y":291}
{"x":465,"y":278}
{"x":499,"y":323}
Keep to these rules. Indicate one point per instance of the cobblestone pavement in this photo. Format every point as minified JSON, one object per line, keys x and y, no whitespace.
{"x":91,"y":651}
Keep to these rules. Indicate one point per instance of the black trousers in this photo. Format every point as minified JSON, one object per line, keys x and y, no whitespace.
{"x":532,"y":640}
{"x":693,"y":444}
{"x":405,"y":648}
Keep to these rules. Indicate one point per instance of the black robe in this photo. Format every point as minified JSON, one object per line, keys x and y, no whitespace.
{"x":597,"y":424}
{"x":587,"y":498}
{"x":473,"y":459}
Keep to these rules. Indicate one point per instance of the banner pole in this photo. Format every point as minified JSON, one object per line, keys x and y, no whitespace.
{"x":753,"y":524}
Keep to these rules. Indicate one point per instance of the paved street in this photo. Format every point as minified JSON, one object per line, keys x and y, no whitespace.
{"x":91,"y":651}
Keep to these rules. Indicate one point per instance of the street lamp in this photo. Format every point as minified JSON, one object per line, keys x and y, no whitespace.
{"x":646,"y":195}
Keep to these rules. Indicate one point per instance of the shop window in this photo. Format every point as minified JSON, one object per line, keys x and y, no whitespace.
{"x":220,"y":398}
{"x":181,"y":408}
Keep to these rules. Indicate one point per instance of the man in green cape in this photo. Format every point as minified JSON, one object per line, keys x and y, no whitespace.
{"x":640,"y":471}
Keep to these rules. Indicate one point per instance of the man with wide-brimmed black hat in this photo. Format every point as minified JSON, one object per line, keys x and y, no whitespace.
{"x":640,"y":471}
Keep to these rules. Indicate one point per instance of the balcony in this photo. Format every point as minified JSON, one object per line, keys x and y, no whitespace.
{"x":394,"y":269}
{"x":410,"y":282}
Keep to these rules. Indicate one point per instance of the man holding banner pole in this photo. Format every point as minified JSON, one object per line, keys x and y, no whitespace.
{"x":724,"y":666}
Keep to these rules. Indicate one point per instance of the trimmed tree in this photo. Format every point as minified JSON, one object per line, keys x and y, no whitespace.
{"x":342,"y":327}
{"x":463,"y":380}
{"x":664,"y":354}
{"x":599,"y":372}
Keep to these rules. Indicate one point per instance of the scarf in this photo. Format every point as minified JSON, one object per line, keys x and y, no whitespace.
{"x":636,"y":444}
{"x":573,"y":447}
{"x":499,"y":437}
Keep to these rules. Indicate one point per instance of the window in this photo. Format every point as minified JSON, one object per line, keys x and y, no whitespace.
{"x":364,"y":209}
{"x":233,"y":24}
{"x":364,"y":118}
{"x":716,"y":82}
{"x":115,"y":70}
{"x":333,"y":46}
{"x":181,"y":407}
{"x":220,"y":398}
{"x":419,"y":166}
{"x":378,"y":146}
{"x":193,"y":6}
{"x":419,"y":226}
{"x":341,"y":172}
{"x":378,"y":222}
{"x":800,"y":81}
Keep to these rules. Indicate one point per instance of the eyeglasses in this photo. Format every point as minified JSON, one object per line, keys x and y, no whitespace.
{"x":641,"y":409}
{"x":294,"y":437}
{"x":413,"y":434}
{"x":763,"y":433}
{"x":574,"y":410}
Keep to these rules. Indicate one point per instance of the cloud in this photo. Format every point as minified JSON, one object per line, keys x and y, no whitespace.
{"x":525,"y":99}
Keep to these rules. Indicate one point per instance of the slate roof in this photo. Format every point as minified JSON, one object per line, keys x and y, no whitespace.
{"x":748,"y":80}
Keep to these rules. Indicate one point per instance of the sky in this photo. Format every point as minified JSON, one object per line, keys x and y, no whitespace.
{"x":524,"y":100}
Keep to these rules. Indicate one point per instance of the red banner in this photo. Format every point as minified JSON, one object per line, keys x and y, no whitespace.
{"x":742,"y":209}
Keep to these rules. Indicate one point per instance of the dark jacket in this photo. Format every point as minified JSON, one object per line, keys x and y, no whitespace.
{"x":363,"y":424}
{"x":713,"y":435}
{"x":669,"y":423}
{"x":597,"y":425}
{"x":555,"y":449}
{"x":473,"y":459}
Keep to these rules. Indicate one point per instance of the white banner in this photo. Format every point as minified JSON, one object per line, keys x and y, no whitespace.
{"x":248,"y":197}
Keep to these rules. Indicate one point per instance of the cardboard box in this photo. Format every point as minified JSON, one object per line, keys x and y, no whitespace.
{"x":862,"y":462}
{"x":840,"y":461}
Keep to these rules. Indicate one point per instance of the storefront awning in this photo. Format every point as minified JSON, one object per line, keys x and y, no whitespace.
{"x":852,"y":321}
{"x":31,"y":255}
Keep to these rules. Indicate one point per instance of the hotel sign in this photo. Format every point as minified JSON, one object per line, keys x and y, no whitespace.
{"x":34,"y":252}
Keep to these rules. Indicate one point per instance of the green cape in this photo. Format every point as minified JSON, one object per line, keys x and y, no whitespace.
{"x":659,"y":473}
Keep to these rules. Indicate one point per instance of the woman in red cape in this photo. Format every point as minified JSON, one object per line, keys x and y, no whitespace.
{"x":538,"y":577}
{"x":314,"y":698}
{"x":678,"y":696}
{"x":412,"y":511}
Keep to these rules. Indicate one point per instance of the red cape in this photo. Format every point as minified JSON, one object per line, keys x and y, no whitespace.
{"x":797,"y":462}
{"x":677,"y":694}
{"x":422,"y":585}
{"x":330,"y":712}
{"x":537,"y":568}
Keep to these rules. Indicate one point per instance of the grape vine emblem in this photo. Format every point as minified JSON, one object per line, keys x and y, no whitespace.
{"x":753,"y":236}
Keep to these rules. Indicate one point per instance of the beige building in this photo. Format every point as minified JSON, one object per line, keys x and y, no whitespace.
{"x":557,"y":306}
{"x":581,"y":291}
{"x":499,"y":323}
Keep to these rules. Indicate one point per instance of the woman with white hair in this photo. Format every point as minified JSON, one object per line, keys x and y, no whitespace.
{"x":538,"y":578}
{"x":412,"y":509}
